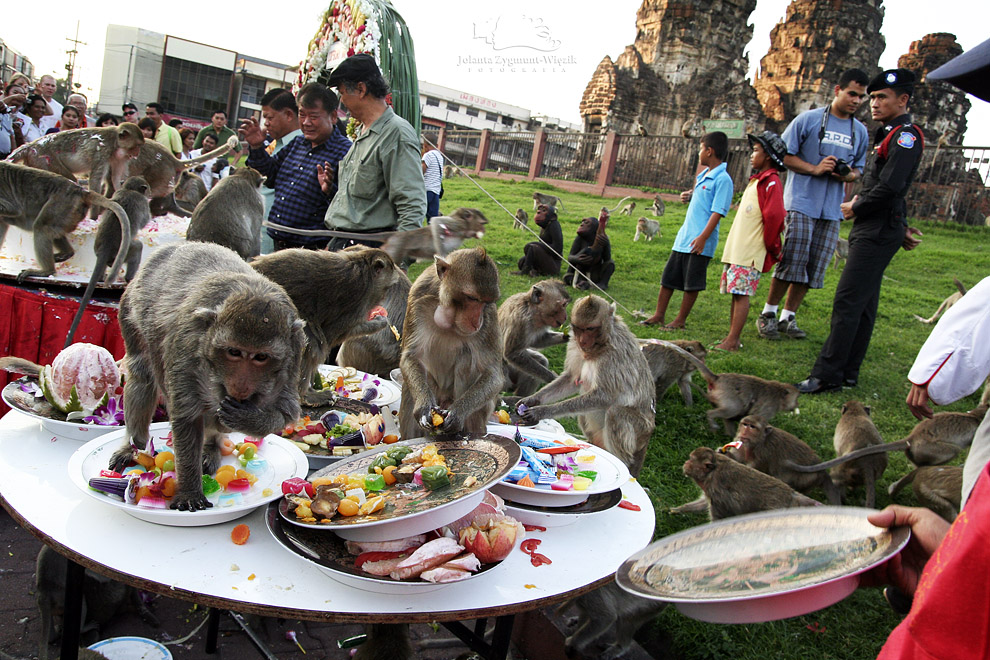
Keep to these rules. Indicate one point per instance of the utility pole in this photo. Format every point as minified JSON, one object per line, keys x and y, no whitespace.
{"x":71,"y":66}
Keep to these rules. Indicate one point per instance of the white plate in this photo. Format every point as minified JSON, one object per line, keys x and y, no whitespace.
{"x":558,"y":516}
{"x":131,"y":648}
{"x":77,"y":430}
{"x":284,"y":459}
{"x":388,"y":392}
{"x":612,"y":473}
{"x":762,"y":566}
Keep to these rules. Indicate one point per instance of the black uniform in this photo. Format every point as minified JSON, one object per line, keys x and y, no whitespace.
{"x":877,"y":233}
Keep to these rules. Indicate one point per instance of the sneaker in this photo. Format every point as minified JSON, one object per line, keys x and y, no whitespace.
{"x":767,"y":326}
{"x":790,"y":328}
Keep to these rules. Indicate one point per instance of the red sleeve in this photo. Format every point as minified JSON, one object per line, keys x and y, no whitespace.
{"x":770,"y":193}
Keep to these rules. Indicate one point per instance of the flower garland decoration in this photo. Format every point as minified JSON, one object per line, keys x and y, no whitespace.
{"x":348,"y":27}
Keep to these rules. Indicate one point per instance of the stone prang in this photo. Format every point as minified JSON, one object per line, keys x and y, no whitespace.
{"x":937,"y":106}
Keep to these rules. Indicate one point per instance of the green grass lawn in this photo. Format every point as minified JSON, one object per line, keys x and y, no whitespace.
{"x":916,"y":283}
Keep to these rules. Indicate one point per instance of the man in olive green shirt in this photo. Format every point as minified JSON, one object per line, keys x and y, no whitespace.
{"x":217,"y":128}
{"x":380,"y":185}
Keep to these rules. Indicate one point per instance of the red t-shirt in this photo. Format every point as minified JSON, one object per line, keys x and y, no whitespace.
{"x":950,"y":616}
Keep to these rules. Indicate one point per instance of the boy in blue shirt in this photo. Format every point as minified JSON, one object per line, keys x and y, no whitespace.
{"x":696,"y":240}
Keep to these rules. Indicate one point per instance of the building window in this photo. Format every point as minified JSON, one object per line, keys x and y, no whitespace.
{"x":192,"y":89}
{"x":252,"y":90}
{"x":471,"y":112}
{"x":491,"y":116}
{"x":432,"y":101}
{"x":507,"y":121}
{"x":453,"y":107}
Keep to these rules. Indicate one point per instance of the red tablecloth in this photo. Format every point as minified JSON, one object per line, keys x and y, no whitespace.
{"x":33,"y":326}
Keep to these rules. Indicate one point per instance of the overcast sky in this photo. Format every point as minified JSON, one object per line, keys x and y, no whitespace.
{"x":450,"y":38}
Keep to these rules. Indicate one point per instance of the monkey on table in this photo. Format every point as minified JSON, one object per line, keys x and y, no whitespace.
{"x":50,"y":207}
{"x":605,"y":367}
{"x":379,"y":351}
{"x":591,"y":255}
{"x":231,"y":214}
{"x":543,"y":257}
{"x":101,"y":153}
{"x":451,"y":346}
{"x":221,"y":342}
{"x":525,"y":319}
{"x":335,"y":293}
{"x":133,"y":199}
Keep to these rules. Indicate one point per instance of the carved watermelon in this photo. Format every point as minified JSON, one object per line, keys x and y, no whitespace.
{"x":80,"y":378}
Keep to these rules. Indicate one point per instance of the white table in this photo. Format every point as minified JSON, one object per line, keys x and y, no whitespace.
{"x":202,"y":565}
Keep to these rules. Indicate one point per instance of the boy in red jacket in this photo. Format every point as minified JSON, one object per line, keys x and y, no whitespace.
{"x":753,"y":244}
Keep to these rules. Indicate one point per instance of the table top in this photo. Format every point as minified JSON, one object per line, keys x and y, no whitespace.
{"x":201,"y":564}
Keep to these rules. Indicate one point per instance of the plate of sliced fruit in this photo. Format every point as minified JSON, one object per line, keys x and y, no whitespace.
{"x":348,"y":382}
{"x":343,"y":428}
{"x":249,"y":476}
{"x":398,"y":490}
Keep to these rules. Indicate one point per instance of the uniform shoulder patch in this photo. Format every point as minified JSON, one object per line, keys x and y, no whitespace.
{"x":906,"y":140}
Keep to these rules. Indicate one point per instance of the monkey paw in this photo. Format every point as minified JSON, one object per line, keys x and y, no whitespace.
{"x":190,"y":502}
{"x":121,"y":458}
{"x":241,"y":416}
{"x":530,"y":416}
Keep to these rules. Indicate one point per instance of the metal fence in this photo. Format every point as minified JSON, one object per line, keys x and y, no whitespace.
{"x":950,"y":186}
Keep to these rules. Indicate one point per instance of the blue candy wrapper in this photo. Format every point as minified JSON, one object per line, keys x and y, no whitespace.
{"x":546,"y":474}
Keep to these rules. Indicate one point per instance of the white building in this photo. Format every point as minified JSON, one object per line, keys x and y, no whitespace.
{"x":445,"y":107}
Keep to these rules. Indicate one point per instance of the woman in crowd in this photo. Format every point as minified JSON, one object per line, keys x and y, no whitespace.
{"x":188,"y":136}
{"x":106,"y":119}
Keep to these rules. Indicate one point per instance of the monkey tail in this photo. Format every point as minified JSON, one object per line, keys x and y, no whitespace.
{"x":87,"y":295}
{"x":851,"y":456}
{"x":710,"y":376}
{"x":902,"y":482}
{"x":18,"y":365}
{"x":210,"y":155}
{"x":125,"y":238}
{"x":617,"y":205}
{"x":959,"y":285}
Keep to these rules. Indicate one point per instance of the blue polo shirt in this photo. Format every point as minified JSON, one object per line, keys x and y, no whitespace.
{"x":712,"y":194}
{"x":820,"y":196}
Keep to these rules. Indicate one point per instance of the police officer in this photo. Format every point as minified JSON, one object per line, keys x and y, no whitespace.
{"x":879,"y":215}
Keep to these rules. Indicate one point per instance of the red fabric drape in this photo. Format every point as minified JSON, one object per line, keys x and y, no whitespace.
{"x":33,"y":326}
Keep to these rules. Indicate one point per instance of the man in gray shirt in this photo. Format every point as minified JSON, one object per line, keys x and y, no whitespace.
{"x":380,"y":185}
{"x":826,"y":149}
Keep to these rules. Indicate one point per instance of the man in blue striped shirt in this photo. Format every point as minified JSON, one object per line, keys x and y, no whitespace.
{"x":299,"y":201}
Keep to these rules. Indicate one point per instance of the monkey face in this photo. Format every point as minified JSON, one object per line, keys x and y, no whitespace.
{"x":244,"y":371}
{"x":699,"y":464}
{"x":587,"y":336}
{"x":750,"y":430}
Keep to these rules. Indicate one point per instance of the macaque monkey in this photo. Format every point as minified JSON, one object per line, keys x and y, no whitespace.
{"x":525,"y":319}
{"x":604,"y":366}
{"x":451,"y":346}
{"x":733,"y":489}
{"x":856,"y":430}
{"x":932,"y":441}
{"x":231,"y":213}
{"x":738,"y":395}
{"x":658,"y":207}
{"x":647,"y":228}
{"x":771,"y":450}
{"x":101,"y":153}
{"x":549,"y":200}
{"x":221,"y":342}
{"x":189,"y":191}
{"x":946,"y":304}
{"x":50,"y":207}
{"x":379,"y":352}
{"x":667,"y":366}
{"x":133,"y":199}
{"x":160,"y":168}
{"x":937,"y":487}
{"x":522,"y":219}
{"x":444,"y":235}
{"x":841,"y":253}
{"x":102,"y":599}
{"x":335,"y":293}
{"x":449,"y":172}
{"x":628,"y":209}
{"x":609,"y":609}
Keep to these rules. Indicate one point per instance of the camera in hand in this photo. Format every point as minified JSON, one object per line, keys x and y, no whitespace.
{"x":842,"y":168}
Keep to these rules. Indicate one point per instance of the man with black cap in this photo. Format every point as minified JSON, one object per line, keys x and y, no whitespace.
{"x":380,"y":185}
{"x":879,"y":215}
